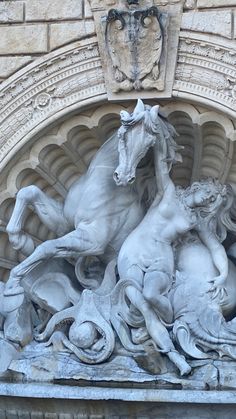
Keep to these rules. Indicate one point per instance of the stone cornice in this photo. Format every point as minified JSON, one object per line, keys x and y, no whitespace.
{"x":50,"y":86}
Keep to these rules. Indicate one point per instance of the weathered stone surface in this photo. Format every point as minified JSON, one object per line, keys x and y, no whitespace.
{"x":234,"y":24}
{"x":8,"y":353}
{"x":219,"y":23}
{"x":87,"y":10}
{"x":8,"y":65}
{"x":215,"y":3}
{"x":62,"y":33}
{"x":227,"y":379}
{"x":11,"y":11}
{"x":37,"y":363}
{"x":127,"y":64}
{"x":53,"y":10}
{"x":67,"y":402}
{"x":23,"y":39}
{"x":189,"y":4}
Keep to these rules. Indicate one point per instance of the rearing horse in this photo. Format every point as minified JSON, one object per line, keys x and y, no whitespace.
{"x":97,"y":215}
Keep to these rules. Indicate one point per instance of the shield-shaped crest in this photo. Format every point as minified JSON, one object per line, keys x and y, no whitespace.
{"x":134,"y":40}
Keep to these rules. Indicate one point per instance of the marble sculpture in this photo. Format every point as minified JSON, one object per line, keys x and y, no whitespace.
{"x":138,"y":266}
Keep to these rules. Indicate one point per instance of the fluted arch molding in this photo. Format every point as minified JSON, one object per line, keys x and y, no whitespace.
{"x":71,"y":79}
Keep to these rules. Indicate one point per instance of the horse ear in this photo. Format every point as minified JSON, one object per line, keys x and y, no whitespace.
{"x":140,"y":107}
{"x":124,"y":116}
{"x":154,"y":113}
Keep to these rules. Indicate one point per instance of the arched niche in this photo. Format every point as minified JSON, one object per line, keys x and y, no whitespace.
{"x":62,"y":153}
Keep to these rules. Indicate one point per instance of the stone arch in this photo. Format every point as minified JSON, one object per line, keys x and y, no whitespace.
{"x":71,"y":78}
{"x":49,"y":103}
{"x":63,"y":152}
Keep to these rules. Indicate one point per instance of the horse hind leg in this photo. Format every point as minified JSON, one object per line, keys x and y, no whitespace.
{"x":77,"y":242}
{"x":49,"y":211}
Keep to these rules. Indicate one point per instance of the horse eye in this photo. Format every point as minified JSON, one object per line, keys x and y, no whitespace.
{"x":213,"y":198}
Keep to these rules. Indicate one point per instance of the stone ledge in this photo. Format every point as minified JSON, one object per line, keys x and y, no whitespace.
{"x":46,"y":391}
{"x":78,"y":408}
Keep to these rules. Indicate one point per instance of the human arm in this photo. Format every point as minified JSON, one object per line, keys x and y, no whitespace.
{"x":161,"y":166}
{"x":163,"y":162}
{"x":219,"y":258}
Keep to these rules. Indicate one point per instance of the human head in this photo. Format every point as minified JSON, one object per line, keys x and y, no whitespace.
{"x":216,"y":207}
{"x":208,"y":195}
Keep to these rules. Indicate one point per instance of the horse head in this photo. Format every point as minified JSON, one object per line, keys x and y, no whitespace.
{"x":136,"y":136}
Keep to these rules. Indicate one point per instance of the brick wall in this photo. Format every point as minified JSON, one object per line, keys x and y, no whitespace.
{"x":30,"y":28}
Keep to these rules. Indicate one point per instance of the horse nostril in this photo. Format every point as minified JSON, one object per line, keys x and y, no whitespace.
{"x":131,"y":180}
{"x":116,"y":176}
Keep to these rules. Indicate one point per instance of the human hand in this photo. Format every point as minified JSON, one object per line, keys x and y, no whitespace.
{"x":13,"y":288}
{"x":218,"y":286}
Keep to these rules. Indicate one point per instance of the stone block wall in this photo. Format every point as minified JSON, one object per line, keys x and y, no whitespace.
{"x":215,"y":17}
{"x":31,"y":28}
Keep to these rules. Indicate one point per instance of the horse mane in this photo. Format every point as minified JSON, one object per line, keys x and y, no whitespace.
{"x":107,"y":154}
{"x":128,"y":120}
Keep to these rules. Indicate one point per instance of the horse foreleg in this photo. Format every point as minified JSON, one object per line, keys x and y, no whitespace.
{"x":73,"y":244}
{"x":49,"y":211}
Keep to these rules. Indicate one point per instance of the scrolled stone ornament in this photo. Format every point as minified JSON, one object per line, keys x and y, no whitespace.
{"x":88,"y":322}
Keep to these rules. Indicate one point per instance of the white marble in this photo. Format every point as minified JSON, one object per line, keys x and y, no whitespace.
{"x":138,"y":269}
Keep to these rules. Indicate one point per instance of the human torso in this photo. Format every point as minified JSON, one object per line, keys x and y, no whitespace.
{"x":153,"y":237}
